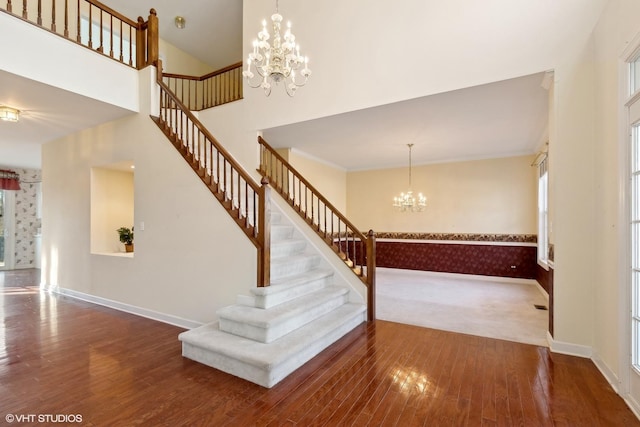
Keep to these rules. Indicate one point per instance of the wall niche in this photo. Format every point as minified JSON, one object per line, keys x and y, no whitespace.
{"x":112,"y":206}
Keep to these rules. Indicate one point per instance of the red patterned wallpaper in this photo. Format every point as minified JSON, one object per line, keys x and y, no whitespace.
{"x":479,"y":259}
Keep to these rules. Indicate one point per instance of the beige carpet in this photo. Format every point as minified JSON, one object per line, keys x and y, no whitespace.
{"x":486,"y":308}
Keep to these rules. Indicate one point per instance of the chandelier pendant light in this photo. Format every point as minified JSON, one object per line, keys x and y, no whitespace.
{"x":407,"y":202}
{"x":277,"y":61}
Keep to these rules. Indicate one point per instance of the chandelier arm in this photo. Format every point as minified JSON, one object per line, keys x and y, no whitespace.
{"x":289,"y":91}
{"x":259,"y":71}
{"x":252,"y":86}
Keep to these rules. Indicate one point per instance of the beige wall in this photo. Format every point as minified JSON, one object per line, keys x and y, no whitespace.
{"x":482,"y":196}
{"x":175,"y":205}
{"x":190,"y":259}
{"x":178,"y":61}
{"x":611,"y":338}
{"x":112,"y":207}
{"x":330,"y":181}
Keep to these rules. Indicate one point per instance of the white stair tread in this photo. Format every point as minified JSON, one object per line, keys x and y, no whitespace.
{"x":285,"y":283}
{"x":266,"y":318}
{"x":267,"y":356}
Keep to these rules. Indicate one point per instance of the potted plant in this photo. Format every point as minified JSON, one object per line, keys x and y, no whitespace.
{"x":126,"y":237}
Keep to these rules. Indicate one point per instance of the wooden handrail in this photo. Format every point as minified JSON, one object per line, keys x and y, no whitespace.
{"x":206,"y":76}
{"x":222,"y":174}
{"x":307,"y":184}
{"x":210,"y":90}
{"x":112,"y":12}
{"x":355,"y":248}
{"x":112,"y":26}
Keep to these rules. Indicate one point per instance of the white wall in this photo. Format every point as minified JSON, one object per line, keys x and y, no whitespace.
{"x":372,"y":52}
{"x":37,"y":54}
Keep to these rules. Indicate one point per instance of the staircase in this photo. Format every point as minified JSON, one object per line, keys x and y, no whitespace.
{"x":276,"y":329}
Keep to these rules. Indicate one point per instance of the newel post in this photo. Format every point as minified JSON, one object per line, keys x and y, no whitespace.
{"x":264,"y":234}
{"x":152,"y":37}
{"x":371,"y":276}
{"x":141,"y":49}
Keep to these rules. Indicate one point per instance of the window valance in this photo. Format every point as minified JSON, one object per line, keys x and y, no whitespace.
{"x":9,"y":180}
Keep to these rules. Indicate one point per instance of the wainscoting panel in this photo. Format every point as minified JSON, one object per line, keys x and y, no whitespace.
{"x":518,"y":261}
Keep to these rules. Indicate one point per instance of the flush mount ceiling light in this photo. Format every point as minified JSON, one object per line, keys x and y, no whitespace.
{"x":9,"y":114}
{"x":277,"y":61}
{"x":180,"y":22}
{"x":406,"y":202}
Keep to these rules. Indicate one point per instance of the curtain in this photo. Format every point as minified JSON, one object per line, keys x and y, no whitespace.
{"x":9,"y":180}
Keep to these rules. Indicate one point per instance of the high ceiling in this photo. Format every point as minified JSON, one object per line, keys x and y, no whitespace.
{"x":213,"y":31}
{"x":494,"y":120}
{"x":47,"y":113}
{"x":501,"y":119}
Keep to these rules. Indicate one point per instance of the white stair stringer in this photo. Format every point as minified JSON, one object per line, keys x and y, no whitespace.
{"x":276,"y":329}
{"x":267,"y":364}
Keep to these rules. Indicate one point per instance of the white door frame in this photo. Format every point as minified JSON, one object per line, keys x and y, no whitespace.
{"x":628,"y":376}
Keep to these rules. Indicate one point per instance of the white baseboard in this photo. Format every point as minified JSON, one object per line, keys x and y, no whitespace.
{"x":127,"y":308}
{"x":568,"y":348}
{"x":604,"y":369}
{"x":632,"y":404}
{"x":544,"y":293}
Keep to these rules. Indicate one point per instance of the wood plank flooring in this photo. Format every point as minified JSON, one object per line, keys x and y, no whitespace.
{"x":63,"y":356}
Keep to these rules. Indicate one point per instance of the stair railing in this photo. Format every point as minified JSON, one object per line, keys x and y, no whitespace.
{"x":247,"y":202}
{"x":213,"y":89}
{"x":94,"y":25}
{"x":355,"y":248}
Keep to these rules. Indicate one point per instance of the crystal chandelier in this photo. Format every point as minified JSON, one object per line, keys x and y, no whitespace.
{"x":406,"y":202}
{"x":276,"y":62}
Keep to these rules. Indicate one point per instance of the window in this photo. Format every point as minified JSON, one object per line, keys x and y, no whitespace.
{"x":635,"y":242}
{"x":543,"y":212}
{"x":634,"y":74}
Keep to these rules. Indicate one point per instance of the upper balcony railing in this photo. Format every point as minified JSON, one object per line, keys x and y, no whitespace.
{"x":216,"y":88}
{"x":95,"y":26}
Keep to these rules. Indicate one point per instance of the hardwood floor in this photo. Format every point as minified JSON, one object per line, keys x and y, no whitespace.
{"x":63,"y":357}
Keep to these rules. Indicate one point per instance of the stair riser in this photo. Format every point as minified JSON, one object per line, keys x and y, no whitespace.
{"x":227,"y":364}
{"x":276,"y":218}
{"x":290,"y":268}
{"x":269,"y":376}
{"x":271,"y":300}
{"x":270,"y":333}
{"x":282,"y":371}
{"x":281,"y":232}
{"x":294,"y":247}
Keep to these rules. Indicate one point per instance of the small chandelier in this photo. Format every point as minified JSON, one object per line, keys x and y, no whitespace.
{"x":406,"y":202}
{"x":276,"y":62}
{"x":9,"y":114}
